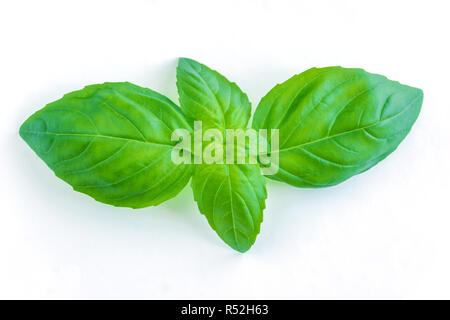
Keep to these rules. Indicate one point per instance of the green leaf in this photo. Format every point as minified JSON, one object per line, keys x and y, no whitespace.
{"x":207,"y":95}
{"x":231,"y":196}
{"x":232,"y":199}
{"x":335,"y":123}
{"x":112,"y":142}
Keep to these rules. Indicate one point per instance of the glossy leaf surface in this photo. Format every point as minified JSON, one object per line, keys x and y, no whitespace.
{"x":207,"y":95}
{"x":335,"y":123}
{"x":232,"y":197}
{"x":111,"y":141}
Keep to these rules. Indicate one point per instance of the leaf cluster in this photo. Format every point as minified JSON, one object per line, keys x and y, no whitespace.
{"x":112,"y":141}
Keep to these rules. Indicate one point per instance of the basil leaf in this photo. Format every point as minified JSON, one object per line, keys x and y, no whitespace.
{"x":208,"y":96}
{"x":232,"y":199}
{"x":231,"y":196}
{"x":112,"y":142}
{"x":335,"y":123}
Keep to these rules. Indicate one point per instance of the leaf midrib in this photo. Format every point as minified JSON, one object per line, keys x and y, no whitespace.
{"x":97,"y":136}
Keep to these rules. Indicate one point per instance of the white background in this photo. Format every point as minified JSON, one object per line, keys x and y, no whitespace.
{"x":382,"y":234}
